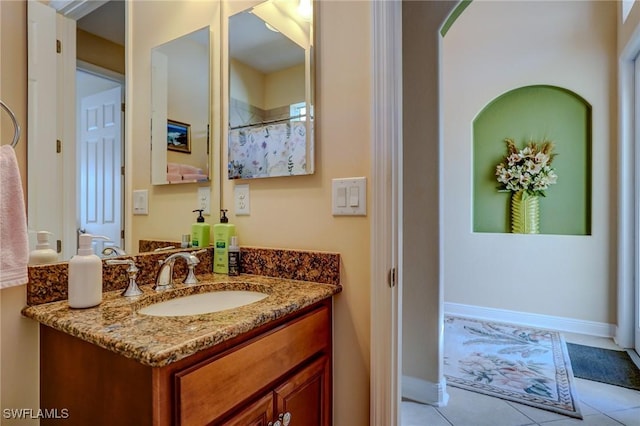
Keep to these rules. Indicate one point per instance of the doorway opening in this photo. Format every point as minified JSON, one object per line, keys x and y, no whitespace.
{"x":99,"y":136}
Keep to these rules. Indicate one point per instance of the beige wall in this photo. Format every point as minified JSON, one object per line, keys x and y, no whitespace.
{"x":248,"y":84}
{"x":420,"y":273}
{"x":292,"y":212}
{"x":18,"y":335}
{"x":188,"y":99}
{"x":99,"y":51}
{"x":267,"y":91}
{"x":284,"y":87}
{"x":492,"y":48}
{"x":170,"y":206}
{"x":295,"y":212}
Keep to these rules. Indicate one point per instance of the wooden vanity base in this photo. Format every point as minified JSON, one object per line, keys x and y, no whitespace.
{"x":281,"y":367}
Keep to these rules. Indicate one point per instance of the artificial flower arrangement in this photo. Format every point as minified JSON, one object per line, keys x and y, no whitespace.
{"x":528,"y":169}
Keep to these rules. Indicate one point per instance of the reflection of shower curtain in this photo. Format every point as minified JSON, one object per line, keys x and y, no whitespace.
{"x":268,"y":150}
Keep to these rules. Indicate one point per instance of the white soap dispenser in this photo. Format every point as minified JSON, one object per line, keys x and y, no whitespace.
{"x":85,"y":274}
{"x":43,"y":252}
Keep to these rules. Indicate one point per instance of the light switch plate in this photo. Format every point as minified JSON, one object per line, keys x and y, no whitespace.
{"x":242,"y":200}
{"x":141,"y":201}
{"x":349,"y":196}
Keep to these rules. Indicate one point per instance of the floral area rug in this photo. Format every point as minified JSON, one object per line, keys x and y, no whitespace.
{"x":511,"y":362}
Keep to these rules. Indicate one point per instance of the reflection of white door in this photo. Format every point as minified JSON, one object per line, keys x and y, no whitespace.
{"x":100,"y":162}
{"x":45,"y":164}
{"x":637,"y":202}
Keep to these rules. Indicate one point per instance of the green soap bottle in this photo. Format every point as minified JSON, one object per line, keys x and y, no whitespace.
{"x":222,"y":233}
{"x":200,"y":232}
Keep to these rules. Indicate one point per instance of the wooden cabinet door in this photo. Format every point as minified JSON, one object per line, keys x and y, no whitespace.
{"x":260,"y":413}
{"x":306,"y":395}
{"x":245,"y":369}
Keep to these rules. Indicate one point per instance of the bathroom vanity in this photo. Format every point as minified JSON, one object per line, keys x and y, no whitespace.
{"x":251,"y":365}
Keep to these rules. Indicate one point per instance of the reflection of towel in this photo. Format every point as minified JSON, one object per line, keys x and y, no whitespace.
{"x":194,"y":177}
{"x":14,"y":242}
{"x":174,"y":177}
{"x":173,"y":168}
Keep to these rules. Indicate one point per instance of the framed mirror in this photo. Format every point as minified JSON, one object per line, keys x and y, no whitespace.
{"x":180,"y":109}
{"x":271,"y":96}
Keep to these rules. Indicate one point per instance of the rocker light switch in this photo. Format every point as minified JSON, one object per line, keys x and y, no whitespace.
{"x":354,"y":197}
{"x":342,"y":197}
{"x":349,"y":196}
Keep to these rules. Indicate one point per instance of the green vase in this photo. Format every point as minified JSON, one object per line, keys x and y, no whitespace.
{"x":525,"y":213}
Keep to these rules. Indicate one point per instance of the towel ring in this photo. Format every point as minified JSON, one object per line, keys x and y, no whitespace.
{"x":16,"y":126}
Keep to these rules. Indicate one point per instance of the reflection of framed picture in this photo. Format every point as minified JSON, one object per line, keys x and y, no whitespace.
{"x":178,"y":136}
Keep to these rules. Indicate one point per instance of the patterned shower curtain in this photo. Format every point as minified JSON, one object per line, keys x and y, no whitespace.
{"x":268,"y":150}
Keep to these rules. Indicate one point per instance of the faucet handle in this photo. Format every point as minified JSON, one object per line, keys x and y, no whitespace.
{"x":191,"y":275}
{"x":191,"y":265}
{"x":132,"y":272}
{"x":164,"y":248}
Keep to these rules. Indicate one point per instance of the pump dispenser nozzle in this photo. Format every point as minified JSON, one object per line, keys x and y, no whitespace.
{"x":223,"y":216}
{"x":43,"y":239}
{"x":84,"y":243}
{"x":200,"y":218}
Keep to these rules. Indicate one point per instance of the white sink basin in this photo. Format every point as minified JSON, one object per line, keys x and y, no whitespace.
{"x":203,"y":303}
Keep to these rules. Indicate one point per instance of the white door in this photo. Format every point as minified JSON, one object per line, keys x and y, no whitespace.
{"x":100,"y":164}
{"x":637,"y":203}
{"x":44,"y":195}
{"x":52,"y":126}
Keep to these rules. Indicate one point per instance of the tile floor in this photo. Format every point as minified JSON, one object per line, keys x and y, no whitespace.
{"x":601,"y":405}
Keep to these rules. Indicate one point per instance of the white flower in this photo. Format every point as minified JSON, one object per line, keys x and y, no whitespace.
{"x":528,"y":169}
{"x":541,"y":158}
{"x":514,"y":159}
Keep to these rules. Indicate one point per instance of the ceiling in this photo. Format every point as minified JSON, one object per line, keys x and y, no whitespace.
{"x":250,"y":41}
{"x":265,"y":50}
{"x":107,"y":21}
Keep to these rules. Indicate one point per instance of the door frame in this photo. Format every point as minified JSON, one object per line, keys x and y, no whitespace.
{"x":628,"y":198}
{"x":386,"y":228}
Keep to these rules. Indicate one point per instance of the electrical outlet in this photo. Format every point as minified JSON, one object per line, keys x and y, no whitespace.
{"x":242,"y":200}
{"x":204,"y":199}
{"x":140,"y":201}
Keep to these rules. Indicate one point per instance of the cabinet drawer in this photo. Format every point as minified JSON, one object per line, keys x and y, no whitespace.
{"x":212,"y":388}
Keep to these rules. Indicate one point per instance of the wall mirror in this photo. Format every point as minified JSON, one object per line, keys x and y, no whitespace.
{"x":271,"y":96}
{"x":180,"y":109}
{"x":75,"y":99}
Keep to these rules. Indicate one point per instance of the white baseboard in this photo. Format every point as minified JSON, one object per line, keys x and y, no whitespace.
{"x":569,"y":325}
{"x":424,"y":391}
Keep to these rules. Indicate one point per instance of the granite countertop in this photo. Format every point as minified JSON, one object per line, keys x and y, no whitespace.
{"x":155,"y":341}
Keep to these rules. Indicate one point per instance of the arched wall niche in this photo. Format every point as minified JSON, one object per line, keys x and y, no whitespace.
{"x":535,"y":113}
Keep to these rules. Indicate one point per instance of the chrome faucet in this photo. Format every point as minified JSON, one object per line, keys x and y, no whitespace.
{"x":164,"y":279}
{"x":113,"y":251}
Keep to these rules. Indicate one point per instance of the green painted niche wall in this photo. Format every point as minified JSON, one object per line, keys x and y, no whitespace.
{"x":535,"y":113}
